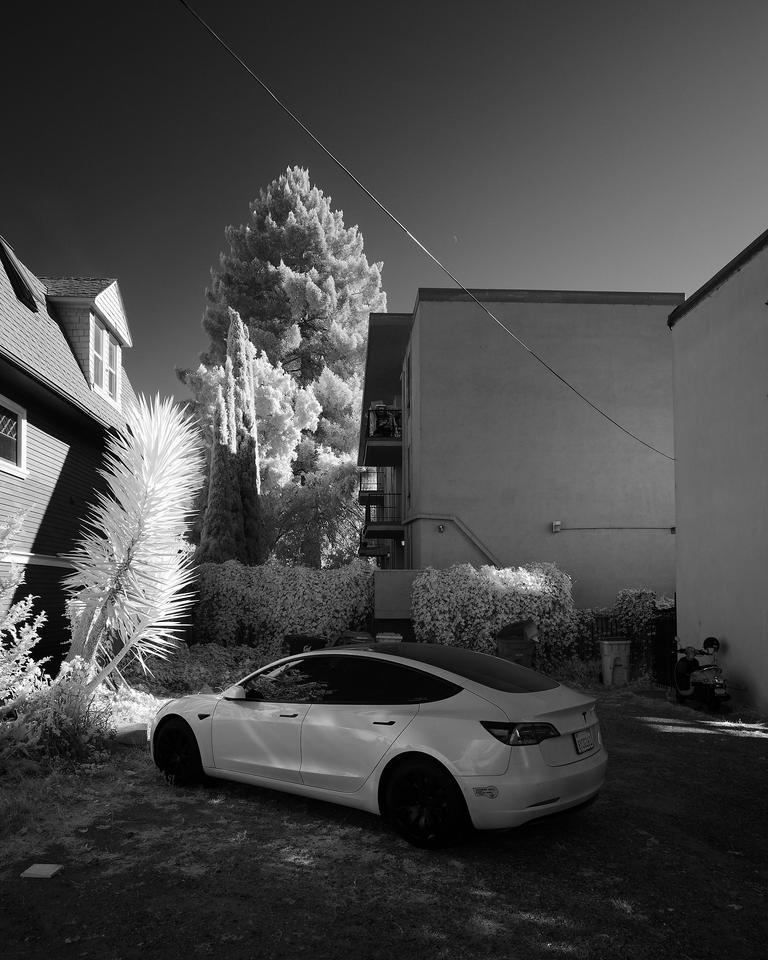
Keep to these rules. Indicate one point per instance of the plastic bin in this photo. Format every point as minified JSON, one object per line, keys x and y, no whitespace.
{"x":615,"y":661}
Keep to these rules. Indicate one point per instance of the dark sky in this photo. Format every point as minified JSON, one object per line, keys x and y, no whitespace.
{"x":564,"y":144}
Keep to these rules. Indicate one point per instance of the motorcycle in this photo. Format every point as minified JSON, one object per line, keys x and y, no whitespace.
{"x":703,"y":683}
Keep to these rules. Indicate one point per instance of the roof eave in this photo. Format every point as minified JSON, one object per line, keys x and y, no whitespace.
{"x":55,"y":388}
{"x":733,"y":266}
{"x":618,"y":297}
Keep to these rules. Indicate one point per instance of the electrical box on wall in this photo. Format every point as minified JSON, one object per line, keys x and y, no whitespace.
{"x":556,"y":526}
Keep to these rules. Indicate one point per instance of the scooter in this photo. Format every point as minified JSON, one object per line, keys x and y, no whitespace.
{"x":703,"y":683}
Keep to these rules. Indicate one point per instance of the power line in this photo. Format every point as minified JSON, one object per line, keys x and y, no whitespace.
{"x":407,"y":232}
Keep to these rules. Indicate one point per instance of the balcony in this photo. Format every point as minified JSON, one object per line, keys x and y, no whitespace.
{"x":373,"y":548}
{"x":386,"y":512}
{"x":371,"y":488}
{"x":384,"y":517}
{"x":383,"y":436}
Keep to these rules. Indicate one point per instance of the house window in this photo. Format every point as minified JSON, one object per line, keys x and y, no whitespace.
{"x":106,"y":360}
{"x":13,"y":436}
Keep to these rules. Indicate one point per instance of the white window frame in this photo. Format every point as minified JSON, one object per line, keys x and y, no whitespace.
{"x":101,"y":342}
{"x":18,"y":469}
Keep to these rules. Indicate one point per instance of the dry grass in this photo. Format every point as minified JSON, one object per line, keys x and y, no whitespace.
{"x":165,"y":872}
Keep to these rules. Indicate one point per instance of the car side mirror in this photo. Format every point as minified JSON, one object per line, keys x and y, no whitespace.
{"x":235,"y":692}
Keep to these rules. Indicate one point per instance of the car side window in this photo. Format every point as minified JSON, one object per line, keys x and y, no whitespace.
{"x":309,"y":680}
{"x":365,"y":680}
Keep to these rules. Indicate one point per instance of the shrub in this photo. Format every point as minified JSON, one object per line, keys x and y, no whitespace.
{"x":467,"y":607}
{"x":190,"y":668}
{"x":635,"y":610}
{"x":20,"y":675}
{"x":256,"y":606}
{"x":59,"y":721}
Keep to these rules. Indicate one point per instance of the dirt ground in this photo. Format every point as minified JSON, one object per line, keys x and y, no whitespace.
{"x":670,"y":862}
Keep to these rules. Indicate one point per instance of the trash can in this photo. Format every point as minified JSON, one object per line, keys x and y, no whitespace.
{"x":301,"y":642}
{"x":515,"y":642}
{"x":614,"y":654}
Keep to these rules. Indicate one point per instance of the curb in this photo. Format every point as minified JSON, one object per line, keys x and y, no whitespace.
{"x":132,"y":735}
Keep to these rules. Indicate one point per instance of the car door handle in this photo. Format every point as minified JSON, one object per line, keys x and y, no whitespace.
{"x":289,"y":714}
{"x":384,"y":723}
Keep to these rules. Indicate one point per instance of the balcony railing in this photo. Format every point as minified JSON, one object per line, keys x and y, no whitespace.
{"x":386,"y":510}
{"x":385,"y":423}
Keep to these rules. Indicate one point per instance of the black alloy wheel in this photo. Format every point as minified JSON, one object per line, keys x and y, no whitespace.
{"x":425,"y":805}
{"x":177,"y":754}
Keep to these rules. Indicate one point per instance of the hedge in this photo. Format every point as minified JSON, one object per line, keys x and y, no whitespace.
{"x":466,"y":606}
{"x":255,"y":606}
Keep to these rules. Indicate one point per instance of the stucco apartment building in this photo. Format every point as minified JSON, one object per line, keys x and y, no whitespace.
{"x":720,"y":336}
{"x":474,"y":452}
{"x":62,"y":388}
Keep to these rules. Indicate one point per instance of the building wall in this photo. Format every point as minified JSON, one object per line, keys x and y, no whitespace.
{"x":500,"y":449}
{"x":64,"y":452}
{"x":75,"y":319}
{"x":721,"y":425}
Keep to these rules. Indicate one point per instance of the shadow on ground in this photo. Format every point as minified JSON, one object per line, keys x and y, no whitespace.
{"x":670,"y":862}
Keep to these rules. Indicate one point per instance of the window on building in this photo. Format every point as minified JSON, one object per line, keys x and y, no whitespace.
{"x":106,"y":360}
{"x":13,"y":426}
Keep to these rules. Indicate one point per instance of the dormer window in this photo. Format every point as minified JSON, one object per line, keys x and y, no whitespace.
{"x":105,"y":360}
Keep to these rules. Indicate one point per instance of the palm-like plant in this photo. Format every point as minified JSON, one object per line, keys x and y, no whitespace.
{"x":131,"y":569}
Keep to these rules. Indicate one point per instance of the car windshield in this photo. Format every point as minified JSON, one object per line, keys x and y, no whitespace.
{"x":482,"y":668}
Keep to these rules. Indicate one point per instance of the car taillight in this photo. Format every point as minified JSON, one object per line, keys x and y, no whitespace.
{"x":520,"y":734}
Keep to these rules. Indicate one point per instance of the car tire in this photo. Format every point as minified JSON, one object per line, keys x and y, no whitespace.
{"x":424,"y":804}
{"x":177,"y":754}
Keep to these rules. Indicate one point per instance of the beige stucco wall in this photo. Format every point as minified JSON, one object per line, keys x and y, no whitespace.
{"x":721,"y":425}
{"x":500,"y":448}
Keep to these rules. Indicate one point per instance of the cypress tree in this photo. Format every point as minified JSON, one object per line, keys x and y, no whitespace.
{"x":222,"y":536}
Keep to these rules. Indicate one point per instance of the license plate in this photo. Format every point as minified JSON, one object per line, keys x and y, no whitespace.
{"x":584,"y":741}
{"x":719,"y":692}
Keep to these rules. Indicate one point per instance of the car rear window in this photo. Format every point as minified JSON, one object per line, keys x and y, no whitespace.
{"x":494,"y":672}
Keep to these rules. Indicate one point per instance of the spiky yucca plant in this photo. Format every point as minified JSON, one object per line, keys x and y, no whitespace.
{"x":131,"y":570}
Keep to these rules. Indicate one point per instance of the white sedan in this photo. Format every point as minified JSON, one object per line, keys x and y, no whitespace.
{"x":434,"y":738}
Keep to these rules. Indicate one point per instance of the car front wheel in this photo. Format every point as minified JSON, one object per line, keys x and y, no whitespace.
{"x":425,"y":805}
{"x":177,"y":754}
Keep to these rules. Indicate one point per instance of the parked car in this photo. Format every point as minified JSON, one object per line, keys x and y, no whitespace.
{"x":434,"y":738}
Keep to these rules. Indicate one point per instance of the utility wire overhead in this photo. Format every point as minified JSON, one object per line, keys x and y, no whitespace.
{"x":206,"y":26}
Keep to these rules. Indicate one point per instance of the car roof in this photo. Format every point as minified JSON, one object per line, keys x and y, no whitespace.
{"x":482,"y":668}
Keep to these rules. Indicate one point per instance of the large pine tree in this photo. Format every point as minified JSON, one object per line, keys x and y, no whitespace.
{"x":299,"y":280}
{"x":303,"y":287}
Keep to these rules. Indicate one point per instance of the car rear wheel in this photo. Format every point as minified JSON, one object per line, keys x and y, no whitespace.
{"x":425,"y":805}
{"x":177,"y":754}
